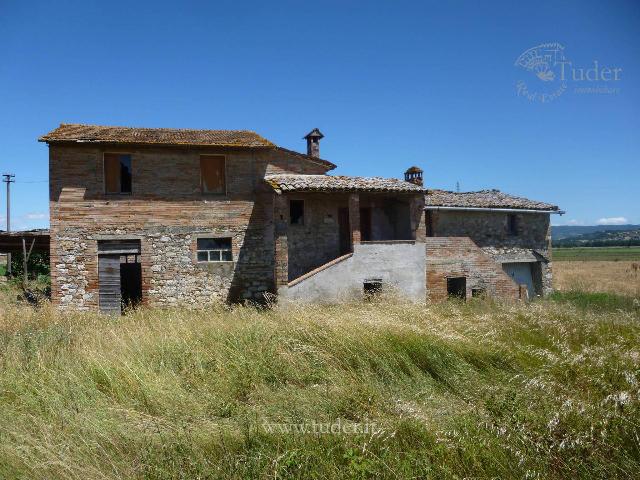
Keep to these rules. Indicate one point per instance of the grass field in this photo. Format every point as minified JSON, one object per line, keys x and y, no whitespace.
{"x":620,"y":277}
{"x":596,"y":254}
{"x":481,"y":390}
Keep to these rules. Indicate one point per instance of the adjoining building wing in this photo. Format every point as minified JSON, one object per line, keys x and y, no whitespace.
{"x":483,"y":199}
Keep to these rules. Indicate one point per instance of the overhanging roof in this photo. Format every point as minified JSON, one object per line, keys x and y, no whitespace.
{"x":11,"y":242}
{"x":284,"y":183}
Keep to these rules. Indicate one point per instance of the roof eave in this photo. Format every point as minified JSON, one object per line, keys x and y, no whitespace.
{"x":496,"y":209}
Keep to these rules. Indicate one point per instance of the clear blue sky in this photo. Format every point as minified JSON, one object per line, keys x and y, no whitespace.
{"x":390,"y":84}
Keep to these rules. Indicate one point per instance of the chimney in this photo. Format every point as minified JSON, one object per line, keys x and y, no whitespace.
{"x":413,"y":175}
{"x":313,"y":142}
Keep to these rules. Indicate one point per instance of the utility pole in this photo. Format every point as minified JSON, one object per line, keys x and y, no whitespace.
{"x":8,"y":178}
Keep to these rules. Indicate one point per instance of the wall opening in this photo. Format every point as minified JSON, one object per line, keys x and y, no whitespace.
{"x":477,"y":292}
{"x":457,"y":287}
{"x":372,"y":288}
{"x":119,"y":275}
{"x":344,"y":231}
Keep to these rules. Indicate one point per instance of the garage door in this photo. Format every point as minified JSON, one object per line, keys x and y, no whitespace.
{"x":521,"y":274}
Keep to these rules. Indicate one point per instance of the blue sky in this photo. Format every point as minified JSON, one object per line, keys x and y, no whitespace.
{"x":390,"y":84}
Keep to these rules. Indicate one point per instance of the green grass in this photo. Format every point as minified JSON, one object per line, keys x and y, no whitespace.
{"x":476,"y":390}
{"x":596,"y":253}
{"x":597,"y":301}
{"x":3,"y":270}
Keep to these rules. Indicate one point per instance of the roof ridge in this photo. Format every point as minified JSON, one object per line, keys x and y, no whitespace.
{"x":62,"y":124}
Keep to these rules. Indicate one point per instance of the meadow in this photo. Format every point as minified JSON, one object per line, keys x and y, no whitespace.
{"x":384,"y":389}
{"x":614,"y":277}
{"x":611,"y":254}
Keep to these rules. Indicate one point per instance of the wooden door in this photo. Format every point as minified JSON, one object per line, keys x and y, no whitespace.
{"x":109,"y":298}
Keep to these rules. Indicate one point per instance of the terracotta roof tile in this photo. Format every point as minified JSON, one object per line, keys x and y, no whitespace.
{"x":69,"y":132}
{"x":483,"y":199}
{"x":338,"y":183}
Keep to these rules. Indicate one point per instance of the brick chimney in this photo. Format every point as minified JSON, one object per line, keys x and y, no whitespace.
{"x":413,"y":175}
{"x":313,"y":142}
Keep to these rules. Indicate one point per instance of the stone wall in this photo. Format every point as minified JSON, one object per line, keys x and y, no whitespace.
{"x":316,"y":241}
{"x":166,"y":212}
{"x":489,"y":229}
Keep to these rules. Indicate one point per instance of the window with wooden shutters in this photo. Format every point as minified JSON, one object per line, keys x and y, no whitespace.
{"x":117,"y":173}
{"x":212,"y":174}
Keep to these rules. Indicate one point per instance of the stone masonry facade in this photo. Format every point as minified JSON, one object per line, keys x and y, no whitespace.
{"x":167,"y":213}
{"x":488,"y":231}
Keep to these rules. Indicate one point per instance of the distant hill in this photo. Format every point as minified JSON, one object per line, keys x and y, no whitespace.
{"x":602,"y":238}
{"x":566,"y":231}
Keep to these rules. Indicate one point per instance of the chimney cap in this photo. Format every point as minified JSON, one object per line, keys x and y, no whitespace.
{"x":315,"y":133}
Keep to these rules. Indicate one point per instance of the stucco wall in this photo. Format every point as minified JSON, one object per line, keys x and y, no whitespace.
{"x":400,"y":266}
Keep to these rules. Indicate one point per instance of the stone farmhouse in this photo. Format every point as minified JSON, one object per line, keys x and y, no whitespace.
{"x":186,"y":217}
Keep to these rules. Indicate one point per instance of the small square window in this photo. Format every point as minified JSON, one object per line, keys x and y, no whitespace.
{"x":214,"y":250}
{"x":296,"y":212}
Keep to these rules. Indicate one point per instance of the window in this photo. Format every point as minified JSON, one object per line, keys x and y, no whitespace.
{"x":117,"y":173}
{"x":372,"y":288}
{"x":477,"y":292}
{"x":214,"y":250}
{"x":457,"y":287}
{"x":296,"y":212}
{"x":212,"y":174}
{"x":512,"y":224}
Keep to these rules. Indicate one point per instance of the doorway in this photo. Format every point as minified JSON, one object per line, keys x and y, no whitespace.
{"x":457,"y":287}
{"x":344,"y":231}
{"x":119,"y":275}
{"x":130,"y":281}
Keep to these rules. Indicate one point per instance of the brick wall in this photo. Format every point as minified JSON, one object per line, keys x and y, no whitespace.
{"x":166,"y":212}
{"x":488,"y":230}
{"x":461,"y":257}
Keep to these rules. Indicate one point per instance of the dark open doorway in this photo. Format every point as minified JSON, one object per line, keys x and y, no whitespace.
{"x":344,"y":231}
{"x":130,"y":281}
{"x":457,"y":287}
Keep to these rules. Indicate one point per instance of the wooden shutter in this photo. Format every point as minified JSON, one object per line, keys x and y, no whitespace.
{"x":212,"y":173}
{"x":112,"y":172}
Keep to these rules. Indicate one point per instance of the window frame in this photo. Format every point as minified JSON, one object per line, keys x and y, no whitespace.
{"x":304,"y":208}
{"x":212,"y":194}
{"x":210,"y":250}
{"x":104,"y":174}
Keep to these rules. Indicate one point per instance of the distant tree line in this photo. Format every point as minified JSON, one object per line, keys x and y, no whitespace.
{"x":569,"y":243}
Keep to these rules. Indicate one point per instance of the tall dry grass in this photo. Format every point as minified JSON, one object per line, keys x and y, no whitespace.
{"x":621,"y":278}
{"x":484,"y":390}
